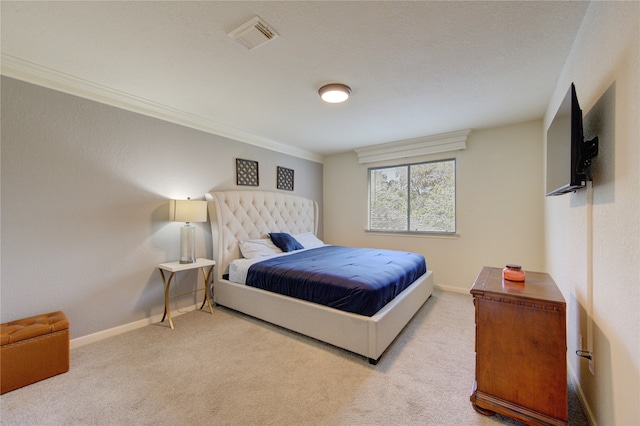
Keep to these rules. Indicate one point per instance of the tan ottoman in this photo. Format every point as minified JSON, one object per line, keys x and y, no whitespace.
{"x":33,"y":349}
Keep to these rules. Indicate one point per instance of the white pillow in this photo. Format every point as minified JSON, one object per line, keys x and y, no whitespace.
{"x":308,"y":240}
{"x":258,"y":248}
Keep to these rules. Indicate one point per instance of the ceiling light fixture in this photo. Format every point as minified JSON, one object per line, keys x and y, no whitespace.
{"x":335,"y":93}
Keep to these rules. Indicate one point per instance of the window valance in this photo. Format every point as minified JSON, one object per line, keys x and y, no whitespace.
{"x":414,"y":147}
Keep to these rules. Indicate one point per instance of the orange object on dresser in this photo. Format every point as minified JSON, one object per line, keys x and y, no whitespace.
{"x":33,"y":349}
{"x":513,"y":272}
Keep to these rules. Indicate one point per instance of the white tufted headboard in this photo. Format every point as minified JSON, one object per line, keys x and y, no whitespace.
{"x":245,"y":215}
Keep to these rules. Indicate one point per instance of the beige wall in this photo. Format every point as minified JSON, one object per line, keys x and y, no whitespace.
{"x":85,"y":210}
{"x":593,"y":247}
{"x":499,"y":197}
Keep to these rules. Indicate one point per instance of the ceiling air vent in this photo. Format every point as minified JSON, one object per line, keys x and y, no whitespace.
{"x":254,"y":33}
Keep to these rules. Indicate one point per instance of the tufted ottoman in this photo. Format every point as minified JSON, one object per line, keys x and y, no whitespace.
{"x":33,"y":349}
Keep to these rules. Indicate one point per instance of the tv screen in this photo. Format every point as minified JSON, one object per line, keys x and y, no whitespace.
{"x":568,"y":156}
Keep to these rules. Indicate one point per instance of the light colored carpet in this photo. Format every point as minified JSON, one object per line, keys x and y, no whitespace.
{"x":231,"y":369}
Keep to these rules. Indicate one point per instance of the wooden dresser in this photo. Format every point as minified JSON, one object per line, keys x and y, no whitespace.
{"x":521,"y":365}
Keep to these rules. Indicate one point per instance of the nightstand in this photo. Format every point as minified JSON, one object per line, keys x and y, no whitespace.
{"x":174,"y":267}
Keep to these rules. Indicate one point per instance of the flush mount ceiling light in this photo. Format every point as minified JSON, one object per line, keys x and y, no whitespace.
{"x":335,"y":93}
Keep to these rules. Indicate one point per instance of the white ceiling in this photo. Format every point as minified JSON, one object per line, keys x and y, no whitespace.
{"x":415,"y":68}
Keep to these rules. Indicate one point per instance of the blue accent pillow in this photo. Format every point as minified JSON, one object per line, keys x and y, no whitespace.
{"x":284,"y":241}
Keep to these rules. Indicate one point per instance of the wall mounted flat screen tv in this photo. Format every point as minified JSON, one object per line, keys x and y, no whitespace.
{"x":568,"y":154}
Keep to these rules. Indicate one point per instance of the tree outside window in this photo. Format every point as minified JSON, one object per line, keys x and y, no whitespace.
{"x":413,"y":198}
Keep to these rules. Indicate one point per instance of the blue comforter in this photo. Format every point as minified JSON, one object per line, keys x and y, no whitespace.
{"x":358,"y":280}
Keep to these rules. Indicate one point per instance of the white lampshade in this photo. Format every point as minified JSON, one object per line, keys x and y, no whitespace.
{"x":187,"y":211}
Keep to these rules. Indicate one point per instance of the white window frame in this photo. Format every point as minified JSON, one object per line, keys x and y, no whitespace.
{"x":408,"y":230}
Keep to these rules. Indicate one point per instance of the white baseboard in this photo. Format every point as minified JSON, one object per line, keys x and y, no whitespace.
{"x":91,"y":338}
{"x":452,"y":289}
{"x":583,"y":399}
{"x":95,"y":337}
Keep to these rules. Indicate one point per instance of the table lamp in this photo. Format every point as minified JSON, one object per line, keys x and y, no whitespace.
{"x":187,"y":211}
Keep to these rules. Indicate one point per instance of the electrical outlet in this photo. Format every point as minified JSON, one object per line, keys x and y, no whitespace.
{"x":591,"y":365}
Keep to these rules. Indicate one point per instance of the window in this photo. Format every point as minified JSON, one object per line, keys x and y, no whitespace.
{"x":413,"y":197}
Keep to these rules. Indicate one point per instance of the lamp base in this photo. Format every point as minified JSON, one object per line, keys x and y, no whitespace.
{"x":187,"y":244}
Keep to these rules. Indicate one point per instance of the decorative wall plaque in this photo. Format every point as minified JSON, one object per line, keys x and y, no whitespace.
{"x":285,"y":178}
{"x":247,"y":172}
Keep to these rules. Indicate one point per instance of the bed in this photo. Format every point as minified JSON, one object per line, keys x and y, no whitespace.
{"x":237,"y":216}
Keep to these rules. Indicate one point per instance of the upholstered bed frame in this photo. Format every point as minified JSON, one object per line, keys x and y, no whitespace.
{"x":242,"y":215}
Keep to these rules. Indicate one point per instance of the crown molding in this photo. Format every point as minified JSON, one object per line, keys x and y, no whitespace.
{"x":444,"y":142}
{"x":46,"y":77}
